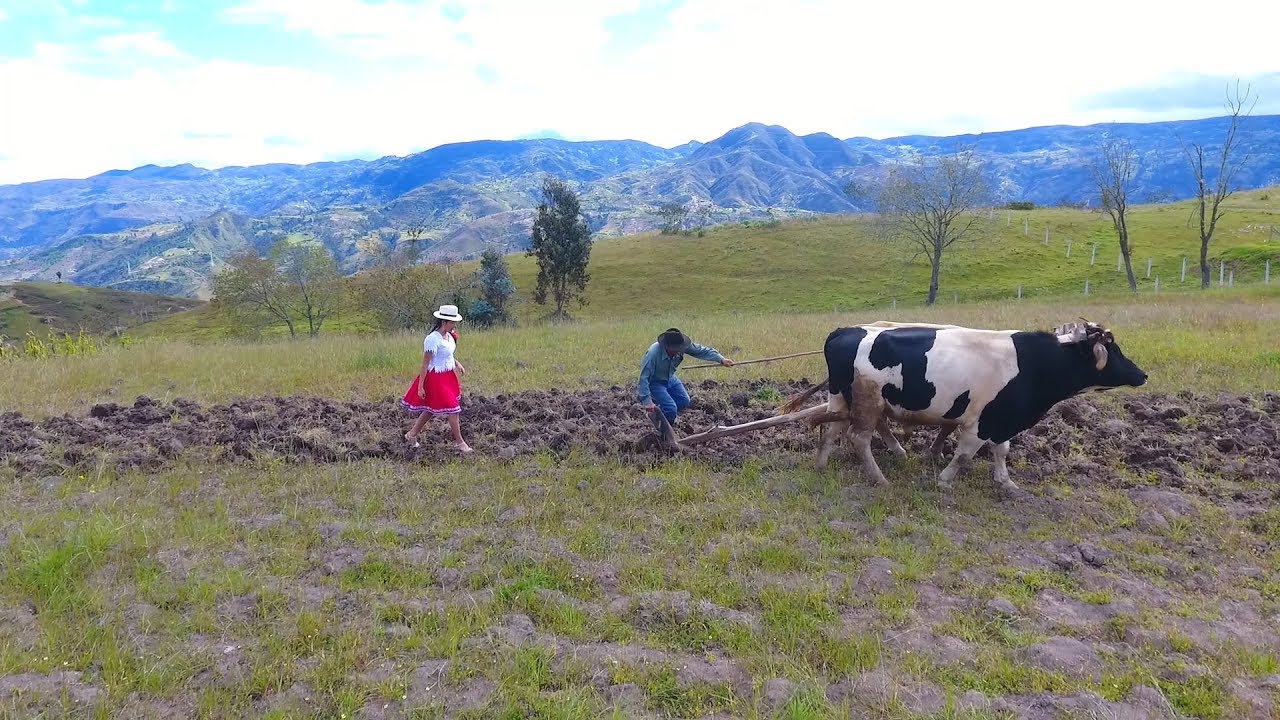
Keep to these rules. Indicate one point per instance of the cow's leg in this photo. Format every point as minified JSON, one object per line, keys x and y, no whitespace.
{"x":862,"y":445}
{"x":867,"y":415}
{"x":889,"y":439}
{"x":1000,"y":472}
{"x":967,"y":445}
{"x":828,"y":435}
{"x":935,"y":450}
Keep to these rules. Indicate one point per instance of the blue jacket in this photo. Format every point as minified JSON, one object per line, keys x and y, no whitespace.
{"x":657,"y":367}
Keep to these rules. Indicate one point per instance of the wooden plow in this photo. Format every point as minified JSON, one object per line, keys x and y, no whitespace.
{"x":789,"y":413}
{"x":816,"y":415}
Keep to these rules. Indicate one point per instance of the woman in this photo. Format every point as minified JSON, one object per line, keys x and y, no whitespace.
{"x":436,"y":390}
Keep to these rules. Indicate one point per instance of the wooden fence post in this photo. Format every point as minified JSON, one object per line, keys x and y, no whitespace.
{"x":1093,"y":256}
{"x":1119,"y":260}
{"x":1157,"y":283}
{"x":1019,"y":292}
{"x":1148,"y":267}
{"x":1222,"y":269}
{"x":1086,"y":286}
{"x":1184,"y":269}
{"x":1266,"y":277}
{"x":1068,"y":247}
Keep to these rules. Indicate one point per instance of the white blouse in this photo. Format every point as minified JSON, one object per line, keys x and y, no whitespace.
{"x":441,"y":348}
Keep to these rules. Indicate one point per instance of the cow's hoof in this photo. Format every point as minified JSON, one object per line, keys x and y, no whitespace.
{"x":945,"y":485}
{"x":1009,"y":491}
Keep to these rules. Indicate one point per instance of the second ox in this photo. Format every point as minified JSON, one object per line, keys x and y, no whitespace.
{"x":985,"y":385}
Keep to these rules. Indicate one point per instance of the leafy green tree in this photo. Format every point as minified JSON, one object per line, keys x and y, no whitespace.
{"x":673,"y":216}
{"x":312,"y":283}
{"x":561,"y":242}
{"x":496,"y":290}
{"x":403,"y":298}
{"x":249,"y":286}
{"x":294,"y":284}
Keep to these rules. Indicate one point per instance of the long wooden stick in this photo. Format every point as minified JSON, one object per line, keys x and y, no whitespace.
{"x":751,"y":362}
{"x":727,"y":430}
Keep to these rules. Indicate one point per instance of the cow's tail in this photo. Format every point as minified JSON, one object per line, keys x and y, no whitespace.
{"x":794,"y":402}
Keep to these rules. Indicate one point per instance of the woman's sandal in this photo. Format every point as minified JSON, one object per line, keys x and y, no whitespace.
{"x":464,"y":448}
{"x":413,"y":439}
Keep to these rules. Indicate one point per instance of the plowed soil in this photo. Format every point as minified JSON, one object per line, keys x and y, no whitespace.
{"x":1164,"y":434}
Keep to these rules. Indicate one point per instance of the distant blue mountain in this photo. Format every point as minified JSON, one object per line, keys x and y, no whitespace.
{"x":172,"y":225}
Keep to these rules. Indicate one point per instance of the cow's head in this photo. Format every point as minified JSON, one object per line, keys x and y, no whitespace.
{"x":1098,"y":348}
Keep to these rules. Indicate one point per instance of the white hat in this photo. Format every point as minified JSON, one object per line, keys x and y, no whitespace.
{"x":448,"y":312}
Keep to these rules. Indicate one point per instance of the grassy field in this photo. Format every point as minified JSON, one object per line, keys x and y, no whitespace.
{"x":840,"y":264}
{"x":42,"y":308}
{"x":1215,"y":340}
{"x":587,"y":586}
{"x":1136,"y":574}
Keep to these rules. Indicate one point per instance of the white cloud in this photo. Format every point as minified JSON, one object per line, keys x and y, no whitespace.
{"x":143,"y":43}
{"x":4,"y":15}
{"x":413,"y":76}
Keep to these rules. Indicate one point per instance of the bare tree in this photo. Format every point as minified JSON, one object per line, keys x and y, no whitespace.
{"x":1113,"y":175}
{"x":927,"y":203}
{"x":1214,"y":183}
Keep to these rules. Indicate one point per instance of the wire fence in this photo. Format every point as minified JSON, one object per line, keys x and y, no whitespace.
{"x":1152,"y":274}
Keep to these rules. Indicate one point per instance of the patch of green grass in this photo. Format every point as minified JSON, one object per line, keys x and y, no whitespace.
{"x":666,"y":694}
{"x":1201,"y":696}
{"x":1020,"y":586}
{"x":1096,"y":597}
{"x":973,"y":627}
{"x":807,"y":703}
{"x":1267,"y":524}
{"x":383,"y":574}
{"x":998,"y":673}
{"x":800,"y":624}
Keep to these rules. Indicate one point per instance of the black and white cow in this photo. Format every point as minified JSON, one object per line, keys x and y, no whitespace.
{"x":987,"y":385}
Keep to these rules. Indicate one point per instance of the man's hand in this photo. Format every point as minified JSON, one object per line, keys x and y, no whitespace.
{"x":648,"y":407}
{"x":727,"y":362}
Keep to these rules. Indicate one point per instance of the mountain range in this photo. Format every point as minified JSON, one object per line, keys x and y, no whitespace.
{"x":167,"y":229}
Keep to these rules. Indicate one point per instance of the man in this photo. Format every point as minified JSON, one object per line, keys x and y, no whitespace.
{"x":660,"y":391}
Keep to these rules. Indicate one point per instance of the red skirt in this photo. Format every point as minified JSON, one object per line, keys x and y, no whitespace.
{"x":444,"y":395}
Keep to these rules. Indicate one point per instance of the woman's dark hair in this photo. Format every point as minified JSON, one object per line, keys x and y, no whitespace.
{"x":436,"y":326}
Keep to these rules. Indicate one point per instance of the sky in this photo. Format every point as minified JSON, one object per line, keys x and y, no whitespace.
{"x":88,"y":86}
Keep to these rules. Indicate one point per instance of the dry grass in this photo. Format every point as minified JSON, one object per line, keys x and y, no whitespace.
{"x":1219,"y":340}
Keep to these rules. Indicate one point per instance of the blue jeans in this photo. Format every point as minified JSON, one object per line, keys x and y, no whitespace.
{"x":670,"y":398}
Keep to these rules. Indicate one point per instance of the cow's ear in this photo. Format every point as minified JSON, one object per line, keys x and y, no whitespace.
{"x":1099,"y":355}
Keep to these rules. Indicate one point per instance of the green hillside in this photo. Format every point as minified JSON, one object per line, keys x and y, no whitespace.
{"x":63,"y":307}
{"x":843,"y":262}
